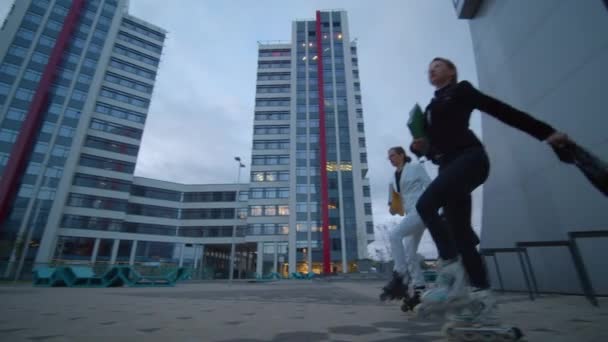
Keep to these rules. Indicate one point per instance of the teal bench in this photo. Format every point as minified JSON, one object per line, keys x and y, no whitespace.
{"x":44,"y":276}
{"x":77,"y":276}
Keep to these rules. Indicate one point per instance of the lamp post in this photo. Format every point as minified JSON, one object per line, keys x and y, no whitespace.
{"x":238,"y":190}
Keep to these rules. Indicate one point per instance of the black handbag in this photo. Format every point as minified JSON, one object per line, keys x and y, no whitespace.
{"x":595,"y":169}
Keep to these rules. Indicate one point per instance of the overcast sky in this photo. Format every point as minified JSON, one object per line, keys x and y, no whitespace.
{"x":201,"y":114}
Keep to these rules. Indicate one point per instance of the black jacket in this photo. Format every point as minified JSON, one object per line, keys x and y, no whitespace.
{"x":447,"y":118}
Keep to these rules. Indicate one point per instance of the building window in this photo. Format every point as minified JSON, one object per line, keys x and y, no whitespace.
{"x":270,"y":210}
{"x":241,"y":213}
{"x":283,"y":210}
{"x":363,"y":157}
{"x":369,"y":227}
{"x":255,"y":210}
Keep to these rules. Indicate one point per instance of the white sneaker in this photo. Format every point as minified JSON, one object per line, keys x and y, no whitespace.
{"x":451,"y":282}
{"x":481,"y":309}
{"x":486,"y":306}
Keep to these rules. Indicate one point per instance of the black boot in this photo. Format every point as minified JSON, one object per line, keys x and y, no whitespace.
{"x":409,"y":303}
{"x":394,"y":289}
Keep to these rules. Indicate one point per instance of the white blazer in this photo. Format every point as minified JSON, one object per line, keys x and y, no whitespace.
{"x":413,"y":182}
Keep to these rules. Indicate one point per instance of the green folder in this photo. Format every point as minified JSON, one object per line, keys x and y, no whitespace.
{"x":416,"y":122}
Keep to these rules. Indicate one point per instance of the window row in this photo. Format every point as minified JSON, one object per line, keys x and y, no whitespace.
{"x":273,"y":89}
{"x":262,"y":116}
{"x":208,"y":214}
{"x":99,"y":182}
{"x":210,"y":231}
{"x":312,"y":154}
{"x":274,"y":64}
{"x":268,"y":210}
{"x":274,"y":129}
{"x":119,"y":112}
{"x":152,"y":210}
{"x":278,"y":102}
{"x":110,"y":127}
{"x":258,"y":193}
{"x":313,"y":123}
{"x":270,"y":176}
{"x":156,"y":193}
{"x":274,"y":76}
{"x":134,"y":69}
{"x":129,"y":83}
{"x":124,"y":97}
{"x":268,"y":229}
{"x":139,"y":42}
{"x":307,"y":188}
{"x":9,"y":69}
{"x":106,"y":163}
{"x":111,"y":146}
{"x":311,"y":138}
{"x":88,"y":222}
{"x":210,"y":196}
{"x":271,"y":144}
{"x":304,"y":207}
{"x":121,"y":50}
{"x":131,"y":25}
{"x":303,"y":171}
{"x":270,"y":160}
{"x":275,"y":53}
{"x":96,"y":202}
{"x":107,"y":224}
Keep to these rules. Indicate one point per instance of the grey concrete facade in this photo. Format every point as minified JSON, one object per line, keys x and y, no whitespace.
{"x":547,"y":58}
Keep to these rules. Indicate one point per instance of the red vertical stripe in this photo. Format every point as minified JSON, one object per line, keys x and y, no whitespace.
{"x":22,"y":147}
{"x":323,"y":153}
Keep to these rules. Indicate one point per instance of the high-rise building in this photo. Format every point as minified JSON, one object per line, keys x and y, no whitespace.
{"x":309,"y":184}
{"x":76,"y":78}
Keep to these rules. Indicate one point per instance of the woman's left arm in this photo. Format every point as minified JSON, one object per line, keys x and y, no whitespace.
{"x":507,"y":114}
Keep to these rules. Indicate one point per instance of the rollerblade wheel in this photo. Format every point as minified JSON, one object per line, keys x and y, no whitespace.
{"x":405,"y":307}
{"x":467,"y":336}
{"x":488,"y":337}
{"x":448,"y":330}
{"x":420,"y":311}
{"x":513,"y":334}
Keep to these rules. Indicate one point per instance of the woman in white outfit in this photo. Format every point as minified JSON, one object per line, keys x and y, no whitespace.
{"x":409,"y":182}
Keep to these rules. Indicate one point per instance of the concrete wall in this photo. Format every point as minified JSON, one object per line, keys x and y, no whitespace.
{"x":549,"y":58}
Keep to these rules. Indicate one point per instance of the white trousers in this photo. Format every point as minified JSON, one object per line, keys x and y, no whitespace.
{"x":405,"y":238}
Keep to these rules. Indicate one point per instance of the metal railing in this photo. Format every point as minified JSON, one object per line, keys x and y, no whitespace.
{"x":520,"y":255}
{"x":521,"y":248}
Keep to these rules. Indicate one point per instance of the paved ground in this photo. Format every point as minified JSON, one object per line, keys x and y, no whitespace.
{"x":286,"y":310}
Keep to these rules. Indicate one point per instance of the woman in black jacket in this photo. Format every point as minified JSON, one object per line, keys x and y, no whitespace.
{"x":463,"y":166}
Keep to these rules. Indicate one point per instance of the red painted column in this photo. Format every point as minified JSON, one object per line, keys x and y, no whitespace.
{"x":22,"y":148}
{"x":323,"y":153}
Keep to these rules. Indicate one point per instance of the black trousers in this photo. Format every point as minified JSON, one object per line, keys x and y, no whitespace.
{"x":459,"y":174}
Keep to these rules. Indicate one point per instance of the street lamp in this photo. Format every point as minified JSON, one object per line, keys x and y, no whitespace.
{"x":238,"y":190}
